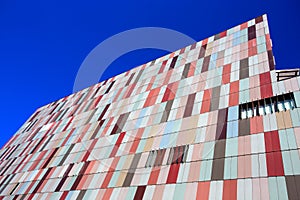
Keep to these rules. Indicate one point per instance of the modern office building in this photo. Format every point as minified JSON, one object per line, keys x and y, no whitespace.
{"x":214,"y":120}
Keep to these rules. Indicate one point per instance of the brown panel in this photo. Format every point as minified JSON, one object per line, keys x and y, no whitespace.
{"x":130,"y":78}
{"x":244,"y":68}
{"x":103,"y":112}
{"x":244,"y":63}
{"x":160,"y":157}
{"x":131,"y":170}
{"x":81,"y":194}
{"x":222,"y":124}
{"x":244,"y":73}
{"x":138,"y":76}
{"x":292,"y":188}
{"x":217,"y":36}
{"x":271,"y":60}
{"x":215,"y":98}
{"x":140,"y":193}
{"x":167,"y":111}
{"x":218,"y":169}
{"x":120,"y":123}
{"x":202,"y":51}
{"x":128,"y":179}
{"x":297,"y":179}
{"x":66,"y":155}
{"x":244,"y":127}
{"x":220,"y":149}
{"x":174,"y":60}
{"x":251,"y":32}
{"x":109,"y":88}
{"x":185,"y":71}
{"x":258,"y":19}
{"x":205,"y":64}
{"x":214,"y":104}
{"x":189,"y":105}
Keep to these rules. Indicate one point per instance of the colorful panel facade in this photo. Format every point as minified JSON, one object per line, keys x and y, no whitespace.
{"x":209,"y":121}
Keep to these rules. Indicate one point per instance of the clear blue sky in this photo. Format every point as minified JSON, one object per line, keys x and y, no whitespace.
{"x":43,"y":43}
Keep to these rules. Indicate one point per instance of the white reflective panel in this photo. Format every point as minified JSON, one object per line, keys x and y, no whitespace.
{"x":254,"y":111}
{"x":261,"y":110}
{"x":273,"y":107}
{"x":268,"y":109}
{"x":244,"y":114}
{"x":287,"y":105}
{"x":280,"y":106}
{"x":292,"y":104}
{"x":249,"y":112}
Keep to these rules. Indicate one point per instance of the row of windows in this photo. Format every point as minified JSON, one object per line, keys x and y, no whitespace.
{"x":176,"y":155}
{"x":267,"y":106}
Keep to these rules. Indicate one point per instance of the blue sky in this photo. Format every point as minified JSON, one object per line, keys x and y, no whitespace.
{"x":43,"y":43}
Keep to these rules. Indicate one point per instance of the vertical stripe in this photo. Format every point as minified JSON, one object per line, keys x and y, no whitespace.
{"x":185,"y":71}
{"x":140,"y":193}
{"x":174,"y":60}
{"x":120,"y":123}
{"x":109,"y":88}
{"x":167,"y":111}
{"x":131,"y":170}
{"x":189,"y":105}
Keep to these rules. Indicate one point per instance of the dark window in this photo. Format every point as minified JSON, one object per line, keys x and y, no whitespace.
{"x":266,"y":106}
{"x":176,"y":155}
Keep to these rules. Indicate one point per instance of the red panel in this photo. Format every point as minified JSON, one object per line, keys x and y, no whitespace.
{"x":268,"y":42}
{"x":67,"y":138}
{"x":233,"y":99}
{"x":163,"y":66}
{"x":234,"y":87}
{"x":117,"y":145}
{"x":274,"y":164}
{"x":107,"y":193}
{"x":107,"y":180}
{"x":81,"y":183}
{"x":253,"y":125}
{"x":252,"y":51}
{"x":266,"y":91}
{"x":204,"y":42}
{"x":226,"y":74}
{"x":265,"y":78}
{"x":170,"y":92}
{"x":70,"y":121}
{"x":134,"y":146}
{"x":278,"y":163}
{"x":206,"y":101}
{"x":259,"y":124}
{"x":115,"y":98}
{"x":272,"y":141}
{"x":182,"y":50}
{"x":173,"y":173}
{"x":205,"y":107}
{"x":244,"y":25}
{"x":203,"y":190}
{"x":223,"y":34}
{"x":154,"y":176}
{"x":256,"y":125}
{"x":129,"y":90}
{"x":230,"y":190}
{"x":64,"y":195}
{"x":192,"y":69}
{"x":152,"y":97}
{"x":234,"y":93}
{"x":168,"y":76}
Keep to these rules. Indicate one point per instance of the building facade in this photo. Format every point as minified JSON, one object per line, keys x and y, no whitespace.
{"x":213,"y":120}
